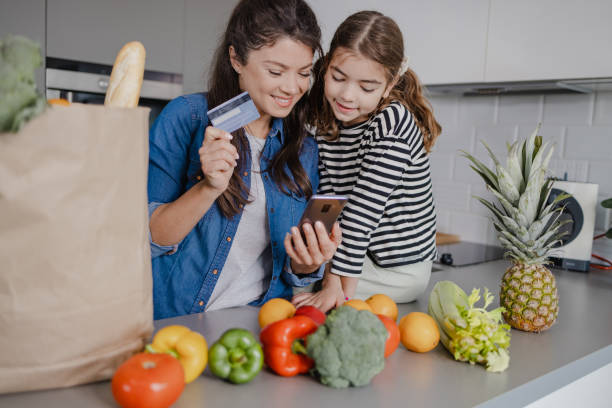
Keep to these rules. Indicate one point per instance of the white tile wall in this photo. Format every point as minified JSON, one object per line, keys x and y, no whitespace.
{"x":579,"y":125}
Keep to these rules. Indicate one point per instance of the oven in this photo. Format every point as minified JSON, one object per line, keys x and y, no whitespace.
{"x":86,"y":82}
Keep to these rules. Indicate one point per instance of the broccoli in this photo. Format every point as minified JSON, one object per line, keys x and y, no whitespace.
{"x":348,"y":349}
{"x":19,"y":100}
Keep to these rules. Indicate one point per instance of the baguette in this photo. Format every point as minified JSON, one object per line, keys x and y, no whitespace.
{"x":126,"y":78}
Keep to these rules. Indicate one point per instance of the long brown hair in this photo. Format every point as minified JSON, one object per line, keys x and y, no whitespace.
{"x":377,"y":37}
{"x":255,"y":24}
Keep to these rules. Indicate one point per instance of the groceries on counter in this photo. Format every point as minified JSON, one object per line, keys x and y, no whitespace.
{"x":148,"y":380}
{"x":283,"y":345}
{"x":20,"y":101}
{"x":187,"y":346}
{"x":528,"y":228}
{"x":393,"y":336}
{"x":274,"y":310}
{"x":472,"y":334}
{"x":348,"y":349}
{"x":419,"y":332}
{"x":236,"y":357}
{"x":126,"y":77}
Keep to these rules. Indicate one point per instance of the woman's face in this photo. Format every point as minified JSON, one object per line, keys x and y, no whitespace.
{"x":354,"y":85}
{"x":275,"y":76}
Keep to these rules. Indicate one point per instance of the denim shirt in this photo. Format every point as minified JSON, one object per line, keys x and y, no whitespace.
{"x":185,"y":275}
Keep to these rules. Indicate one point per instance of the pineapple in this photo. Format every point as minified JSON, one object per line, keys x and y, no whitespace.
{"x":528,"y":228}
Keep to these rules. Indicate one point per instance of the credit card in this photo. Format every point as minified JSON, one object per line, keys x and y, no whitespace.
{"x":234,"y":114}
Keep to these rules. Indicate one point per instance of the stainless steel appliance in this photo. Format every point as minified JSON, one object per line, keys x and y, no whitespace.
{"x":85,"y":82}
{"x":574,"y":253}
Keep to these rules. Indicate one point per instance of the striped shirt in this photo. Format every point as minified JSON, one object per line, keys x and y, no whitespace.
{"x":382,"y":166}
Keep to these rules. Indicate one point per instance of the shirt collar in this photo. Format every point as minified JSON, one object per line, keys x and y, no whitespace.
{"x":277,"y":129}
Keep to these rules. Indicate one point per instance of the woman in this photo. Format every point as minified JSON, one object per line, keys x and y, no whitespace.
{"x":223,"y":206}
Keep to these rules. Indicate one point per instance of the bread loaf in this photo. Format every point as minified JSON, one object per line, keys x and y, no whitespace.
{"x":126,"y":78}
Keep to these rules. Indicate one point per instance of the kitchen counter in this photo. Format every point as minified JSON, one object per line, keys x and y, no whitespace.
{"x":579,"y":343}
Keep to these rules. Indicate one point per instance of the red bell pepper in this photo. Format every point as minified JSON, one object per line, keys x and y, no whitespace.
{"x":315,"y":314}
{"x":284,"y":351}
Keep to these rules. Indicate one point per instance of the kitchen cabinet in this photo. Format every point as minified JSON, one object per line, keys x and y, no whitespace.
{"x":445,"y":42}
{"x":204,"y":27}
{"x":548,"y":39}
{"x":27,"y":18}
{"x":94,"y":31}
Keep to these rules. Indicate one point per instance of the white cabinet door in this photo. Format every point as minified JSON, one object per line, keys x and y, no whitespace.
{"x":27,"y":18}
{"x":444,"y":39}
{"x":205,"y":23}
{"x":549,"y":39}
{"x":95,"y":30}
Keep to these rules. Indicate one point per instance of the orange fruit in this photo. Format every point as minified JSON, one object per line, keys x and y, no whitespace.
{"x":274,"y":310}
{"x":58,"y":101}
{"x":384,"y":305}
{"x":358,"y":304}
{"x":419,"y":332}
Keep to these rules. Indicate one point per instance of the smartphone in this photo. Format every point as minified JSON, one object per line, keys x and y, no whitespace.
{"x":324,"y":208}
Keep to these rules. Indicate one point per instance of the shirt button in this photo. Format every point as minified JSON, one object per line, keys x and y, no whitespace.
{"x":198,"y":177}
{"x":274,"y":278}
{"x":215,"y":271}
{"x":246,"y":173}
{"x":273,"y":243}
{"x":228,"y":239}
{"x":201,"y":303}
{"x":271,"y":210}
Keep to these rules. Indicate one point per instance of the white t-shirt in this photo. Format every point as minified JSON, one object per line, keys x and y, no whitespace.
{"x":247,"y":271}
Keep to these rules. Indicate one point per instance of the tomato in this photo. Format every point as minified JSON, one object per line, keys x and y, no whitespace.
{"x":393,"y":339}
{"x":315,"y":314}
{"x":148,"y":381}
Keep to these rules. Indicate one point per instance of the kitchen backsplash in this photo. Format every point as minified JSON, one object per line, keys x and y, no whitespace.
{"x":579,"y":124}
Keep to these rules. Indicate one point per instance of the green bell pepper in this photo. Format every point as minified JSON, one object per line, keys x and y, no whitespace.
{"x":236,"y":356}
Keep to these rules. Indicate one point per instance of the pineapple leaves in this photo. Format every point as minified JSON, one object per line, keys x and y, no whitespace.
{"x":491,"y":207}
{"x":544,"y":193}
{"x":527,"y":224}
{"x":506,"y":185}
{"x":487,"y":175}
{"x":491,"y":154}
{"x":513,"y":165}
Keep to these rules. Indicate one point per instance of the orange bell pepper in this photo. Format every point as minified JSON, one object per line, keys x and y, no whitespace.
{"x":284,"y":351}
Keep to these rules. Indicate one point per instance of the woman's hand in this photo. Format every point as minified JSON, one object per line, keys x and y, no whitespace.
{"x":218,"y":158}
{"x":307,"y":257}
{"x":329,"y":297}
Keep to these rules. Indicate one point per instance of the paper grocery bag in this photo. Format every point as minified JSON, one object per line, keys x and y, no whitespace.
{"x":75,"y":268}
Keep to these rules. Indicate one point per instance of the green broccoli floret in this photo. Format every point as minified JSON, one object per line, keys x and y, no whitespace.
{"x":348,"y":349}
{"x":19,"y":100}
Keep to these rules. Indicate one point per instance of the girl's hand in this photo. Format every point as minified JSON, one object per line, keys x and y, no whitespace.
{"x":307,"y":257}
{"x":218,"y":158}
{"x":329,"y":297}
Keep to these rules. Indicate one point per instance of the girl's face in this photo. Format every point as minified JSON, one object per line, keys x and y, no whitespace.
{"x":275,"y":76}
{"x":354,"y":85}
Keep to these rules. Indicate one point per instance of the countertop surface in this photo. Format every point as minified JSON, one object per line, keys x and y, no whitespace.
{"x":578,"y":344}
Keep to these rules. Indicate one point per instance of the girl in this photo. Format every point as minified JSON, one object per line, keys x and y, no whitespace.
{"x":374,"y":129}
{"x":221,"y":205}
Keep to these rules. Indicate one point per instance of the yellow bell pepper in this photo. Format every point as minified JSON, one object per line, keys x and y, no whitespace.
{"x":187,"y":346}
